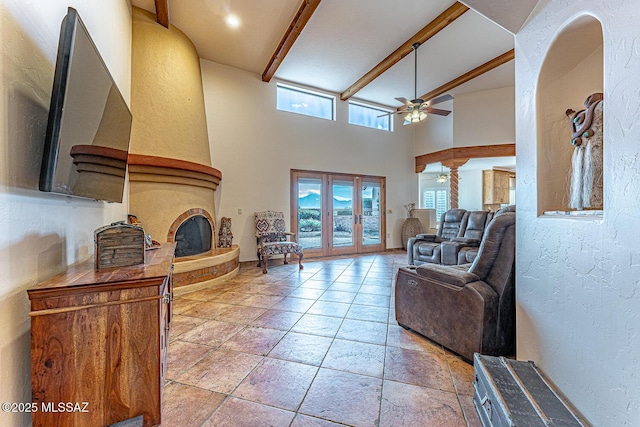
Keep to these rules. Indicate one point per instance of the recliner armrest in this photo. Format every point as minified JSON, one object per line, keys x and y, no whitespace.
{"x":429,"y":237}
{"x":450,"y":275}
{"x":467,"y":241}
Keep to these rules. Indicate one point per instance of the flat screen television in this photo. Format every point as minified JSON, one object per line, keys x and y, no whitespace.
{"x":89,"y":125}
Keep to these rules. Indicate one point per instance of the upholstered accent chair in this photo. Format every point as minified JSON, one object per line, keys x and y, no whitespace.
{"x":425,"y":248}
{"x":468,"y":308}
{"x":273,"y":239}
{"x":468,"y":237}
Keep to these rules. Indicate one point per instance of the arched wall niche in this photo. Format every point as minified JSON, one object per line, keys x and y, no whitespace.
{"x":572,"y":70}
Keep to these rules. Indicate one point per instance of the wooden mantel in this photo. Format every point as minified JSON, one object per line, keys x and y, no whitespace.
{"x":465,"y":153}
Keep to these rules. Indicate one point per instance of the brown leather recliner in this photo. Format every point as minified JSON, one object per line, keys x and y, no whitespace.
{"x":425,"y":248}
{"x":467,"y":309}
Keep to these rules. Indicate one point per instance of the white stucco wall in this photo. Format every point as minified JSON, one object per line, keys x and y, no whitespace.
{"x":255,"y":146}
{"x":40,"y":234}
{"x":578,"y":292}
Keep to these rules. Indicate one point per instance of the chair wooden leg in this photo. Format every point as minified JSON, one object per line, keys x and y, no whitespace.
{"x":264,"y":264}
{"x":300,"y":261}
{"x":286,"y":261}
{"x":259,"y":259}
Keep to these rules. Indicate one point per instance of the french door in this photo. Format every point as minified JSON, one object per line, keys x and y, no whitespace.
{"x":336,"y":214}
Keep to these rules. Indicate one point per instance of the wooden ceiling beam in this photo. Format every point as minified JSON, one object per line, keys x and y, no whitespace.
{"x":162,"y":12}
{"x":459,"y":154}
{"x":306,"y":10}
{"x":438,"y":24}
{"x":478,"y":71}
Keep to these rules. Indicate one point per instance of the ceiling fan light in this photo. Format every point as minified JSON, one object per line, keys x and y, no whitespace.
{"x":232,"y":21}
{"x":441,"y":178}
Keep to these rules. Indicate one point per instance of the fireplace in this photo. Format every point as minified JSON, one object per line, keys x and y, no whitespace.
{"x":174,"y":198}
{"x":193,"y":232}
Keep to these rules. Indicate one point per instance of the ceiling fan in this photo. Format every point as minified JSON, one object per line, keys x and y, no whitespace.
{"x":417,"y":109}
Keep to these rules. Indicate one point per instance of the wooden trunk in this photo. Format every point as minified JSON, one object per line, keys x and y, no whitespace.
{"x":119,"y":245}
{"x":99,"y":343}
{"x":509,"y":393}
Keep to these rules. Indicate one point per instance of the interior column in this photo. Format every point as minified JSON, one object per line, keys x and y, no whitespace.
{"x":453,"y":166}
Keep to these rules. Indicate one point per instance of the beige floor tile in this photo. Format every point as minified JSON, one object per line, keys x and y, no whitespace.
{"x":418,"y":367}
{"x":470,"y":412}
{"x":277,"y":319}
{"x":303,"y":348}
{"x":241,"y":413}
{"x":368,"y":312}
{"x":220,"y":370}
{"x":344,"y":397}
{"x":462,"y":373}
{"x":307,"y":421}
{"x":187,"y":406}
{"x":329,"y":308}
{"x":318,"y":325}
{"x":278,"y":383}
{"x":207,"y":309}
{"x":363,"y":331}
{"x":181,"y":324}
{"x":212,"y":333}
{"x":240,"y":314}
{"x":409,"y":405}
{"x":298,"y":305}
{"x":253,"y":340}
{"x":356,"y":357}
{"x":182,"y":355}
{"x":398,"y":336}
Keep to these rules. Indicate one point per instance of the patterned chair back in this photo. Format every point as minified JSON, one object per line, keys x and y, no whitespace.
{"x":270,"y":225}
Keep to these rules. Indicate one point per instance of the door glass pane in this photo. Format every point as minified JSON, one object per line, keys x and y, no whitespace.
{"x":342,"y":213}
{"x":310,"y":212}
{"x":371,"y":213}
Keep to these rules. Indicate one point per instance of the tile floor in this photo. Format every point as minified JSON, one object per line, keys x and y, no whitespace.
{"x":316,"y":347}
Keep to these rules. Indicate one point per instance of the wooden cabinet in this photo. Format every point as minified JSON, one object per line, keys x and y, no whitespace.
{"x":99,"y":343}
{"x":495,"y":187}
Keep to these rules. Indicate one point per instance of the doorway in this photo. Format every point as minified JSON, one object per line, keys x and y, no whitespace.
{"x":336,"y":214}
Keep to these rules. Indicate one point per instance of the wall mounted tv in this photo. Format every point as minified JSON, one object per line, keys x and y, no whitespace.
{"x":87,"y":139}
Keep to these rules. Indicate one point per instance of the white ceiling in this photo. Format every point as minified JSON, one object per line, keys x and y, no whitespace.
{"x":344,"y":39}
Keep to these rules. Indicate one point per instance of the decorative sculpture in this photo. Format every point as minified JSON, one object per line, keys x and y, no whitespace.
{"x":586,"y":163}
{"x":225,"y":236}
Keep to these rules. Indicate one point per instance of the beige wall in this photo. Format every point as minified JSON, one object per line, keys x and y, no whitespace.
{"x":40,"y":233}
{"x":255,"y":149}
{"x":166,"y":93}
{"x":169,"y":120}
{"x":484,"y":117}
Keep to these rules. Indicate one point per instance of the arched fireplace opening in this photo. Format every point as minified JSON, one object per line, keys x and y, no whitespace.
{"x":193,"y":236}
{"x":193,"y":232}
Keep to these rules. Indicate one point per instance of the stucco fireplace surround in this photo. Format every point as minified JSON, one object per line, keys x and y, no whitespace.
{"x":167,"y":194}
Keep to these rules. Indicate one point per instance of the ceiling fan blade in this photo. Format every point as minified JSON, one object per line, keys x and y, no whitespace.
{"x":440,"y":99}
{"x":437,"y":111}
{"x":390,"y":113}
{"x":405,"y":101}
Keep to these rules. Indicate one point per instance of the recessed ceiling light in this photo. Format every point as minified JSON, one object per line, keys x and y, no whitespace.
{"x":233,"y":21}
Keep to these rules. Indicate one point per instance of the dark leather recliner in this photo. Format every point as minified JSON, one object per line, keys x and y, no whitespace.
{"x":468,"y":253}
{"x":425,"y":248}
{"x":468,"y":308}
{"x":469,"y":236}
